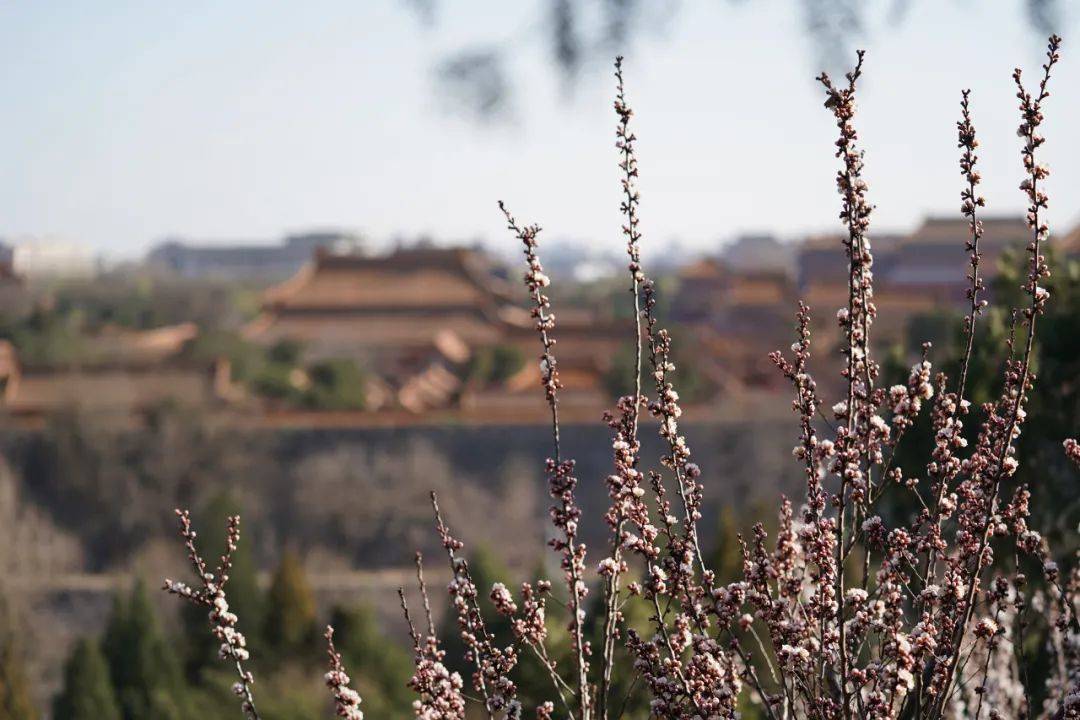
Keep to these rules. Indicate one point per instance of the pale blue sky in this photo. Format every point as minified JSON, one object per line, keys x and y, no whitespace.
{"x":127,"y":122}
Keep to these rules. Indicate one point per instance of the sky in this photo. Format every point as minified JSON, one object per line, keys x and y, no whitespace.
{"x":129,"y":122}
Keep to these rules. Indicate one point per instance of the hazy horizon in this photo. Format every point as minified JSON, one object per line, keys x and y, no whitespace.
{"x":133,"y":124}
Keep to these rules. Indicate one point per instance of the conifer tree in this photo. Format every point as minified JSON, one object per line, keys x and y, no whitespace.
{"x":15,"y":700}
{"x":88,"y":691}
{"x":289,"y":627}
{"x":726,"y":559}
{"x":144,"y":668}
{"x":373,"y":659}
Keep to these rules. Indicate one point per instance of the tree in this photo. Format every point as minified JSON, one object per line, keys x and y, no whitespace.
{"x":245,"y":597}
{"x":726,"y":558}
{"x":88,"y":692}
{"x":144,"y":668}
{"x":15,"y":700}
{"x":380,"y":666}
{"x":285,"y":352}
{"x":1051,"y":413}
{"x":496,"y":363}
{"x":627,"y":697}
{"x":336,"y":385}
{"x":694,"y":385}
{"x":289,"y":627}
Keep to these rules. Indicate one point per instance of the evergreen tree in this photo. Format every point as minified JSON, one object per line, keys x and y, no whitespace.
{"x":375,"y":661}
{"x":289,"y":628}
{"x":245,"y":598}
{"x":88,"y":692}
{"x":15,"y":700}
{"x":726,"y":558}
{"x":144,"y":668}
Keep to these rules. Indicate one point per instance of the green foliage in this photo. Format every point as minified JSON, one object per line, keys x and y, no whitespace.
{"x":379,"y":666}
{"x":335,"y":385}
{"x":692,"y":384}
{"x":88,"y":692}
{"x":726,"y":556}
{"x":245,"y":357}
{"x":46,"y":338}
{"x":142,"y":302}
{"x":332,"y":384}
{"x":1054,"y":406}
{"x":278,"y":381}
{"x":293,"y":691}
{"x":289,"y":626}
{"x":496,"y":363}
{"x":54,"y":329}
{"x":285,"y":352}
{"x":144,"y":668}
{"x":15,"y":700}
{"x":278,"y":375}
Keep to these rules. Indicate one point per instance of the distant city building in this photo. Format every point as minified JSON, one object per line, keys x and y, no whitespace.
{"x":741,"y":304}
{"x":45,"y":258}
{"x":247,"y":262}
{"x":933,"y":259}
{"x":736,"y":318}
{"x":759,"y":253}
{"x":927,"y":268}
{"x":579,"y":261}
{"x":921,"y":272}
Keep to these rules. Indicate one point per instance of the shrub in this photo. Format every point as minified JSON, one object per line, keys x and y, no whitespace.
{"x":335,"y":385}
{"x":496,"y":363}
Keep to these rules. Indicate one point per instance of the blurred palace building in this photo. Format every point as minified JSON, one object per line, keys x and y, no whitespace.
{"x":445,"y":331}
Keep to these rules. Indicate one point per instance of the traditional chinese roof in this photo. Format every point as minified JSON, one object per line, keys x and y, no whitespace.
{"x":433,"y":279}
{"x":340,"y":303}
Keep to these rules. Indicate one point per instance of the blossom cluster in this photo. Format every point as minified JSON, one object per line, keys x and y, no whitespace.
{"x":438,"y":690}
{"x":493,"y":664}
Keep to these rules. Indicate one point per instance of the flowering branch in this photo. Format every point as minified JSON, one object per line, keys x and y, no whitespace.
{"x":493,"y":664}
{"x":566,"y":515}
{"x":970,"y":202}
{"x":995,"y":458}
{"x":613,"y":567}
{"x":346,"y":700}
{"x":856,"y":322}
{"x":211,"y":594}
{"x":438,"y":690}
